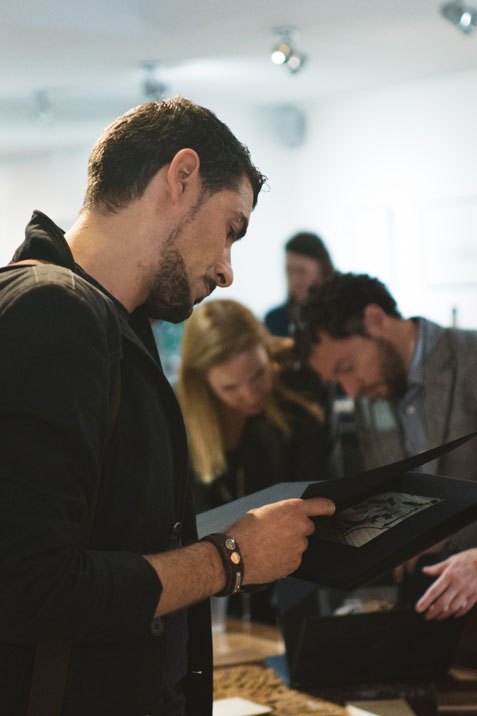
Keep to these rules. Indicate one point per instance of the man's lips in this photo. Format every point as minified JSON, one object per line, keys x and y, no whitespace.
{"x":210,"y":286}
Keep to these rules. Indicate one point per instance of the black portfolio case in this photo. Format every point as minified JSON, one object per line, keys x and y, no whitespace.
{"x":325,"y":649}
{"x":379,"y":494}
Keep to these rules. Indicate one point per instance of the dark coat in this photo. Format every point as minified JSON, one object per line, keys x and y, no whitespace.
{"x":280,"y":321}
{"x":62,"y":338}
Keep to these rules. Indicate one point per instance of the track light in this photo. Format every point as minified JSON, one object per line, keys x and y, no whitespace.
{"x":284,"y":51}
{"x":281,"y":53}
{"x":459,"y":14}
{"x":295,"y":61}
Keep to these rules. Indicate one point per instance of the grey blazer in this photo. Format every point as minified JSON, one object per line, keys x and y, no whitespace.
{"x":450,"y":379}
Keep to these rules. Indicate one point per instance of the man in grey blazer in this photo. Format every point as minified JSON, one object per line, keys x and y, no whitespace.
{"x":413,"y":381}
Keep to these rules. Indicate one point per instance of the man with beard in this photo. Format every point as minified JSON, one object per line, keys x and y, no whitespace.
{"x":99,"y":558}
{"x":413,"y":381}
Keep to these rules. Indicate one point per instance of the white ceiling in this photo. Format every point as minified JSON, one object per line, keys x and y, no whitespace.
{"x":87,"y":55}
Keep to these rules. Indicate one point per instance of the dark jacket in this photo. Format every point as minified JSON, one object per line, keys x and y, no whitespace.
{"x":62,"y":338}
{"x":280,"y":321}
{"x":267,"y":456}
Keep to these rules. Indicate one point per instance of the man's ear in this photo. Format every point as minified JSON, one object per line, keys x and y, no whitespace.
{"x":376,"y":321}
{"x":183,"y":176}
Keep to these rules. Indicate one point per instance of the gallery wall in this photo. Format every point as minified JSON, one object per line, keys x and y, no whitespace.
{"x":394,"y":184}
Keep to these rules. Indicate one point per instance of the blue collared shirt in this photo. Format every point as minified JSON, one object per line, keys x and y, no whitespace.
{"x":411,"y":407}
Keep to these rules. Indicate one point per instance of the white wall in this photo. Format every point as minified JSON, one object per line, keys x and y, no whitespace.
{"x":388,"y":178}
{"x":52,"y":181}
{"x":391,"y":178}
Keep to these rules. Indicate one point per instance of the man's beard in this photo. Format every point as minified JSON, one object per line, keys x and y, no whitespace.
{"x":393,"y":372}
{"x":170,"y":298}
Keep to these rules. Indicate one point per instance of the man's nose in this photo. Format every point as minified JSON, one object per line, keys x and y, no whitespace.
{"x":224,"y":274}
{"x":351,"y":386}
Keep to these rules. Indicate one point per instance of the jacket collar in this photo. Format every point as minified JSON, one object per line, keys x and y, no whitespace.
{"x":44,"y":240}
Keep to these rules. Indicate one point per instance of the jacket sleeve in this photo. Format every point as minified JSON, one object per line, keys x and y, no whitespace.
{"x":54,"y":406}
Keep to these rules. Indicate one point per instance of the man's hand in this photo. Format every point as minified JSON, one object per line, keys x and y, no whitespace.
{"x":454,"y":592}
{"x":409,"y":567}
{"x":272,"y":538}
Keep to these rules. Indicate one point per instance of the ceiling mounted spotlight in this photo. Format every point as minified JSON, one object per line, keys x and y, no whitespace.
{"x":459,"y":14}
{"x":283,"y":48}
{"x":284,"y":51}
{"x":296,"y":61}
{"x":152,"y":88}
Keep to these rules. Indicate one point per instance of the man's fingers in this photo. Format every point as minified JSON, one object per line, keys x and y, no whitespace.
{"x":436,"y":589}
{"x":457,"y":603}
{"x":317,"y":506}
{"x":439,"y":609}
{"x":464,"y":608}
{"x":434,"y":569}
{"x":310,"y":528}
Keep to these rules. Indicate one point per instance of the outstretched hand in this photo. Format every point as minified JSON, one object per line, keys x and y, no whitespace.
{"x":272,"y":538}
{"x":454,"y":592}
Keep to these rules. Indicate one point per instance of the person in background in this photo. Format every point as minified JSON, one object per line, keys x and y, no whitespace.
{"x":307,"y":263}
{"x":415,"y":387}
{"x":247,"y":426}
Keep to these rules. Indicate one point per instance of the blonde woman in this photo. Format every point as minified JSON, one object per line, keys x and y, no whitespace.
{"x":247,"y":427}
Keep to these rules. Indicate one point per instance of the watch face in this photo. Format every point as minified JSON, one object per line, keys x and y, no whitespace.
{"x":230,"y":543}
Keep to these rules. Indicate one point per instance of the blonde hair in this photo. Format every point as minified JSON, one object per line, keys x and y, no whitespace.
{"x":217,"y":332}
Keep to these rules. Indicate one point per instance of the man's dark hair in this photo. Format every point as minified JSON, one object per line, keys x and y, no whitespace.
{"x":308,"y":244}
{"x":337,"y":308}
{"x":139,"y":143}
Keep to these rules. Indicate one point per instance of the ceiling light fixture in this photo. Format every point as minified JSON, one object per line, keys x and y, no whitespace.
{"x":459,"y":14}
{"x":295,"y":61}
{"x":284,"y":51}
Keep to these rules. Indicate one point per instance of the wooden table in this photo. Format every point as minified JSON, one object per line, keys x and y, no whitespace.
{"x":245,"y":643}
{"x":239,"y":670}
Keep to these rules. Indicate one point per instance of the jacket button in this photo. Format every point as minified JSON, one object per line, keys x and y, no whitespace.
{"x":157,"y":626}
{"x":176,"y":533}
